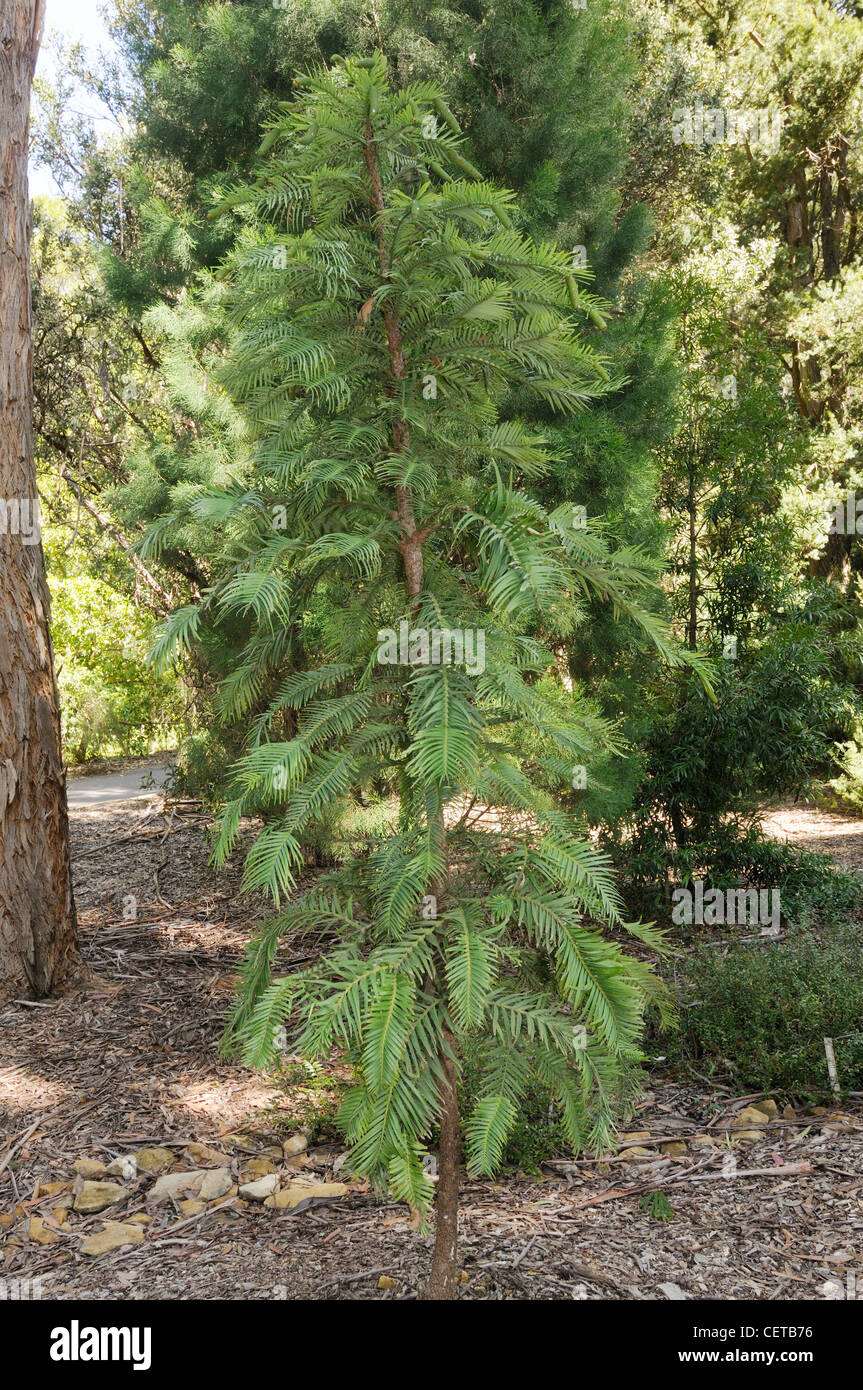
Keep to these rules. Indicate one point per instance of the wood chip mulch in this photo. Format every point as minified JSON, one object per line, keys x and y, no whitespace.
{"x":130,"y":1060}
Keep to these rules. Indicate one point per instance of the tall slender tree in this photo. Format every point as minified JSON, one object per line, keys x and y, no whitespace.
{"x":37,"y":913}
{"x":382,"y":307}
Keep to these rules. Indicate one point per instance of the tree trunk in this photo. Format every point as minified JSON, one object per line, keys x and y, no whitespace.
{"x":37,"y":913}
{"x":692,"y":623}
{"x":441,"y":1283}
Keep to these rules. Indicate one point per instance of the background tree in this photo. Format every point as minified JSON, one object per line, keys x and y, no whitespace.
{"x":37,"y":914}
{"x":541,"y":92}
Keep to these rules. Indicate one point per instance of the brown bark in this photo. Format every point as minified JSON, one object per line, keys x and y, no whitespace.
{"x":441,"y":1283}
{"x":37,"y":913}
{"x":692,"y":624}
{"x":411,"y":543}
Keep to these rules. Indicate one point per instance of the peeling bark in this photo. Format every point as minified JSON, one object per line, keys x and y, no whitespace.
{"x":37,"y":913}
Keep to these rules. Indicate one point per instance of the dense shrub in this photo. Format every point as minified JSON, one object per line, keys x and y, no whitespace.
{"x":812,"y":889}
{"x":762,"y":1011}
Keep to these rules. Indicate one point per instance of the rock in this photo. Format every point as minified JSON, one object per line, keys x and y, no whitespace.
{"x":112,"y":1237}
{"x":300,"y":1192}
{"x":238,"y":1141}
{"x":789,"y":1113}
{"x":673,"y":1292}
{"x":385,"y":1282}
{"x":637,"y":1152}
{"x":768,"y":1108}
{"x":635,"y":1136}
{"x":38,"y":1231}
{"x":61,"y":1192}
{"x":748,"y":1118}
{"x":140,"y":1218}
{"x":216,"y":1184}
{"x":205,"y":1183}
{"x":674,"y":1148}
{"x":206,"y":1157}
{"x":258,"y":1168}
{"x":191,"y":1206}
{"x":60,"y":1215}
{"x":296,"y":1144}
{"x":89,"y":1168}
{"x":151,"y":1160}
{"x":124,"y":1167}
{"x":748,"y":1136}
{"x":96,"y":1196}
{"x":260,"y":1190}
{"x":703,"y":1141}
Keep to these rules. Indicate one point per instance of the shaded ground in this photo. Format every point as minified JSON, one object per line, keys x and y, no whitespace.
{"x":130,"y":1061}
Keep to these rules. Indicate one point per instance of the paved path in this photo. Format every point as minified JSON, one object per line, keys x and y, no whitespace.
{"x":115,"y":786}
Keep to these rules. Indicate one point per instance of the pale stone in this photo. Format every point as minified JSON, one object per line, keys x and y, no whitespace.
{"x":96,"y":1196}
{"x":204,"y":1183}
{"x":260,"y":1190}
{"x":258,"y":1168}
{"x":207,"y":1157}
{"x":296,"y":1144}
{"x":122,"y":1168}
{"x":38,"y":1231}
{"x":300,"y":1192}
{"x":89,"y":1168}
{"x":150,"y":1160}
{"x":216,"y":1184}
{"x":748,"y":1118}
{"x":112,"y":1237}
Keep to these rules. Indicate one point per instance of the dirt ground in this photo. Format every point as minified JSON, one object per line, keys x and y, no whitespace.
{"x":834,"y":832}
{"x":129,"y":1061}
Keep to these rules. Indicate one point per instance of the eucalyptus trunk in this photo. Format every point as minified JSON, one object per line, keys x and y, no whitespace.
{"x":37,"y":914}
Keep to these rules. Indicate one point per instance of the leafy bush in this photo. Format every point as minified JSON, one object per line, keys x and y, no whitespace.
{"x":812,"y":889}
{"x":763,"y":1010}
{"x":771,"y":731}
{"x":849,"y":783}
{"x":203,"y":761}
{"x":112,"y":702}
{"x":538,"y":1133}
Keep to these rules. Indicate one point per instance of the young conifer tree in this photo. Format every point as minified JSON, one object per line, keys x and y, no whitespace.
{"x":382,"y":306}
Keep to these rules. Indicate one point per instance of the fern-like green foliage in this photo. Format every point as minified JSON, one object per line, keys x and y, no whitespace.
{"x":379,"y":310}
